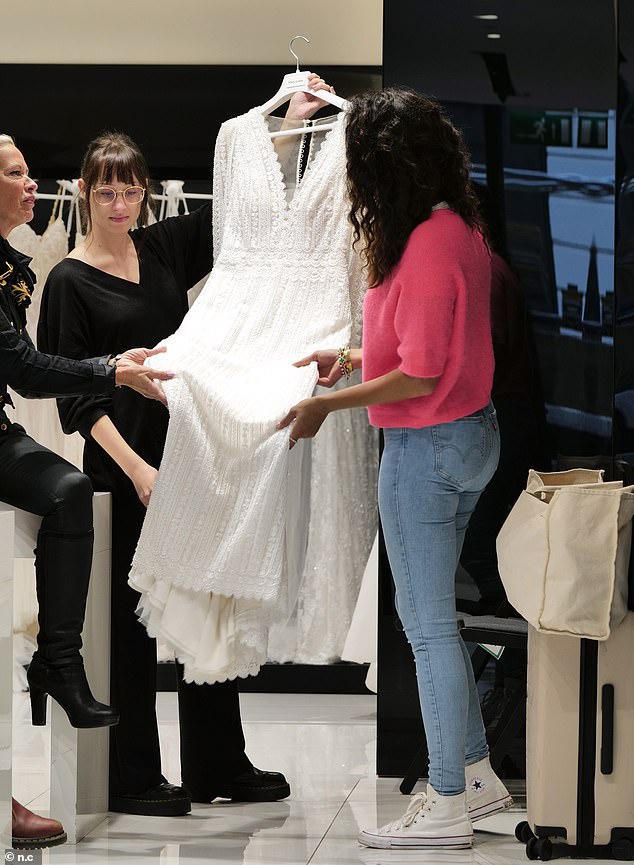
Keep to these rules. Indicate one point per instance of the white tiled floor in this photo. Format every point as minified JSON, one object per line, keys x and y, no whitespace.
{"x":324,"y":744}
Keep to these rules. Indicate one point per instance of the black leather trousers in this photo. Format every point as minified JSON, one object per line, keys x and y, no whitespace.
{"x":39,"y":481}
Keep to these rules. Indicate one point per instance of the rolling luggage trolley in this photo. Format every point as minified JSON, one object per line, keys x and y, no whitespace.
{"x":580,"y":746}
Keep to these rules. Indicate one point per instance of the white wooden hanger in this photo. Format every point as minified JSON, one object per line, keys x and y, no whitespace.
{"x":295,"y":82}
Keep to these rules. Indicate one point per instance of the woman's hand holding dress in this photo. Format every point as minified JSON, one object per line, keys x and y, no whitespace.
{"x":307,"y":417}
{"x":327,"y":361}
{"x":131,"y":372}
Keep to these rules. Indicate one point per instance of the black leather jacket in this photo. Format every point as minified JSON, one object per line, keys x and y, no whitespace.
{"x":29,"y":372}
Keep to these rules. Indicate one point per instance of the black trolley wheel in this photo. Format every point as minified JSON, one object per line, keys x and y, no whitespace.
{"x":531,"y":852}
{"x":523,"y":832}
{"x":623,"y":850}
{"x":544,"y":849}
{"x":539,"y":848}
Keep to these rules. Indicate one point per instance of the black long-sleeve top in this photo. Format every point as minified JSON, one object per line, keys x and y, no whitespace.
{"x":86,"y":311}
{"x":30,"y":372}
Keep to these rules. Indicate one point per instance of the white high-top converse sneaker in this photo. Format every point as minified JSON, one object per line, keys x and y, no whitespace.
{"x":430,"y":856}
{"x":431,"y":820}
{"x":486,"y":794}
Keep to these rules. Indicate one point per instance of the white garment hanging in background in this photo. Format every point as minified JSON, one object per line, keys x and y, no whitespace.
{"x":24,"y":239}
{"x":343,"y":519}
{"x":343,"y":513}
{"x":361,"y":643}
{"x":211,"y":559}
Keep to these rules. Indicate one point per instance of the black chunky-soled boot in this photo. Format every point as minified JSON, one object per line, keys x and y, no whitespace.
{"x":62,"y":570}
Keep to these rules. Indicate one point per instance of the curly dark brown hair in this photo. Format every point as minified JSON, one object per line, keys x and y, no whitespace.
{"x":403,"y":156}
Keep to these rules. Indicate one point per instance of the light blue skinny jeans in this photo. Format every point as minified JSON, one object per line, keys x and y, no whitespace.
{"x":429,"y":482}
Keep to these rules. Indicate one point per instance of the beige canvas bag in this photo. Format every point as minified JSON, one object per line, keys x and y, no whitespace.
{"x":563,"y":552}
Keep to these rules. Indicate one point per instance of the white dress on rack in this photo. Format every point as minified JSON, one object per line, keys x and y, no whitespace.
{"x":211,"y":563}
{"x":343,"y":520}
{"x":342,"y":474}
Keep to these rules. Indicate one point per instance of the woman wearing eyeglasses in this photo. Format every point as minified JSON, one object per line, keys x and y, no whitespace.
{"x":122,"y":281}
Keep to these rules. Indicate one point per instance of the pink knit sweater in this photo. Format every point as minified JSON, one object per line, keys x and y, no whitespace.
{"x":430,"y":318}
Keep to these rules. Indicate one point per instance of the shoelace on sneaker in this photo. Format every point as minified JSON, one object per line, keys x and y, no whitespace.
{"x":418,"y":803}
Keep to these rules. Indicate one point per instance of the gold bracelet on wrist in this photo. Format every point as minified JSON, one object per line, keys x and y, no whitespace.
{"x":345,"y":363}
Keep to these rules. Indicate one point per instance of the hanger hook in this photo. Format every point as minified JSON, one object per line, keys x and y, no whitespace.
{"x":290,"y":48}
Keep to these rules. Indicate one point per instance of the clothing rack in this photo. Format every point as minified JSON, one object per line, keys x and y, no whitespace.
{"x":173,"y":200}
{"x":157,"y":196}
{"x":203,"y":196}
{"x":53,"y":196}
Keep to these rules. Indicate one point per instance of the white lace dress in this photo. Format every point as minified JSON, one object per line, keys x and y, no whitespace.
{"x":211,"y":563}
{"x":343,"y":520}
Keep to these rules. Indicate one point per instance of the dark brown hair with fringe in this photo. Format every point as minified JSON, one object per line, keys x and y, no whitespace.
{"x":114,"y":155}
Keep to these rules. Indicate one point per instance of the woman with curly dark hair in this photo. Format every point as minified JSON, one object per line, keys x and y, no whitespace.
{"x":427,"y":365}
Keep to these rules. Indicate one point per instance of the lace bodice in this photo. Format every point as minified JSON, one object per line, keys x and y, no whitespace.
{"x":256,"y":229}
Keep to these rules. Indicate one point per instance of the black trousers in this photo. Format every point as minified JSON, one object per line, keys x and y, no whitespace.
{"x":212,"y":739}
{"x":39,"y":481}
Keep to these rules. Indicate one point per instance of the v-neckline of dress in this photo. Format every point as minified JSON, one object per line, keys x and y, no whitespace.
{"x":276,"y":173}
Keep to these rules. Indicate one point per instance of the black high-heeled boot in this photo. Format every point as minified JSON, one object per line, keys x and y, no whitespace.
{"x":62,"y":570}
{"x":69,"y":686}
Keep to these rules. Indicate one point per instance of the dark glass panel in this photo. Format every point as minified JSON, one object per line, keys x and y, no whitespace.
{"x":538,"y":108}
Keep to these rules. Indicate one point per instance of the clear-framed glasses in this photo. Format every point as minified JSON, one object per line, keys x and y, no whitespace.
{"x":107,"y":195}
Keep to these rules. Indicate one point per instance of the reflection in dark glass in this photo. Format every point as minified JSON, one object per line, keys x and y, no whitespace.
{"x":544,"y":148}
{"x":624,"y":270}
{"x":559,"y":205}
